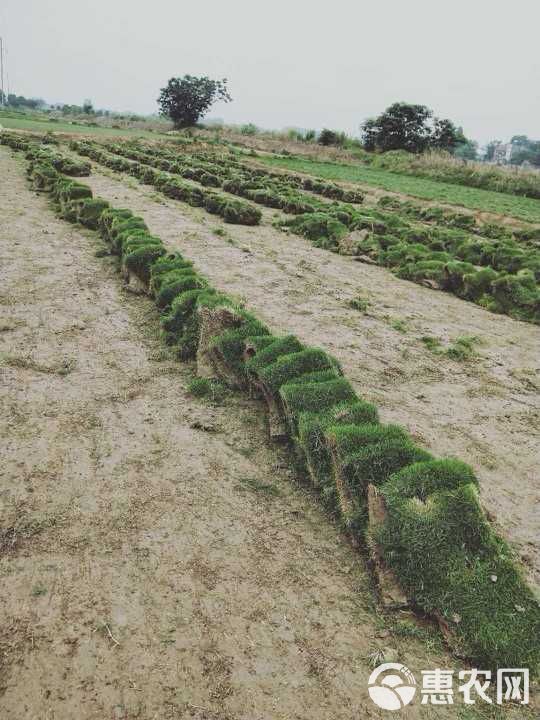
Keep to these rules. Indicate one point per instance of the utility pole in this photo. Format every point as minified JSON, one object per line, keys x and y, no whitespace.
{"x":2,"y":69}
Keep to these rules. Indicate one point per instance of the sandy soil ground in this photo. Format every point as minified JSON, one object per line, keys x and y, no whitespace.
{"x":158,"y":559}
{"x":485,"y":411}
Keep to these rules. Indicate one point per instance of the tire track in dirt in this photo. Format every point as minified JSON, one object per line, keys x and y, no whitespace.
{"x":486,"y":412}
{"x":146,"y":572}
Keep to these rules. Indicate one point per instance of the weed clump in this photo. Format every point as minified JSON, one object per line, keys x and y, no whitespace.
{"x":213,"y":390}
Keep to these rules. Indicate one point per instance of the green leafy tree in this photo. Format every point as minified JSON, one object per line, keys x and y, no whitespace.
{"x":445,"y":135}
{"x":20,"y":101}
{"x":403,"y":126}
{"x":520,"y":140}
{"x":186,"y":100}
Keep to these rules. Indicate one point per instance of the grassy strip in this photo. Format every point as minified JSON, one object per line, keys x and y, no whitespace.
{"x":443,"y":167}
{"x":47,"y":125}
{"x":435,"y":535}
{"x":522,"y":208}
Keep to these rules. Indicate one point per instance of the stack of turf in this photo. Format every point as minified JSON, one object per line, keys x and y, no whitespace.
{"x":44,"y":155}
{"x":430,"y":214}
{"x":433,"y":534}
{"x":450,"y":561}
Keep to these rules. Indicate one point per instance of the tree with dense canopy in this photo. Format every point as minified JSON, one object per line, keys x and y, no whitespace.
{"x":186,"y":100}
{"x":403,"y":126}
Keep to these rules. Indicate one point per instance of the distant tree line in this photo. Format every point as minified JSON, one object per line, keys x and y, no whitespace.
{"x":19,"y":101}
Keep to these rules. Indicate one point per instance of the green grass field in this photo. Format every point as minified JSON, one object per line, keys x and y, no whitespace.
{"x":34,"y":124}
{"x":523,"y":208}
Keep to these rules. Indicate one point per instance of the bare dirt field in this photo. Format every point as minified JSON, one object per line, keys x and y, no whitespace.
{"x":485,"y":411}
{"x":158,"y":559}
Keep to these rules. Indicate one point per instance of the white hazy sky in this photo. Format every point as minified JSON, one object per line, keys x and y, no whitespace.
{"x":289,"y":62}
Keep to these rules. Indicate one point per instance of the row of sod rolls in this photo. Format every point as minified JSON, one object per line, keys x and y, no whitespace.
{"x":44,"y":154}
{"x":264,"y":190}
{"x":282,"y":189}
{"x":231,"y":210}
{"x":498,"y":273}
{"x":419,"y":514}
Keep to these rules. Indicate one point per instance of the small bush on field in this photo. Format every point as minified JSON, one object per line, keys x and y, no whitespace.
{"x":399,"y":325}
{"x":249,"y":129}
{"x":214,"y":390}
{"x":359,"y":303}
{"x":463,"y":348}
{"x":432,"y":343}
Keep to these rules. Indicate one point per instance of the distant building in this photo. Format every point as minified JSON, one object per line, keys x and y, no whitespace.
{"x":503,"y":153}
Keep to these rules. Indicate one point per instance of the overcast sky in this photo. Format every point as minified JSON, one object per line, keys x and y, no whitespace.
{"x":289,"y":62}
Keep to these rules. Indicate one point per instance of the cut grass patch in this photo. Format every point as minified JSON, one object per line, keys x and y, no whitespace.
{"x":432,"y":343}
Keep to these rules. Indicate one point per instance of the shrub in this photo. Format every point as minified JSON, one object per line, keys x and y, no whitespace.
{"x":330,"y":137}
{"x":249,"y":129}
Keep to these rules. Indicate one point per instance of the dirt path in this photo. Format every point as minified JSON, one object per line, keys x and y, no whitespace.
{"x":485,"y":411}
{"x":157,"y":559}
